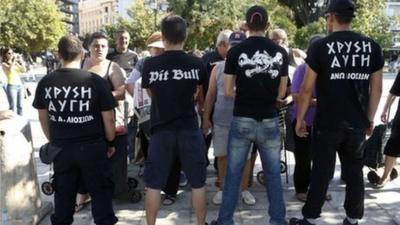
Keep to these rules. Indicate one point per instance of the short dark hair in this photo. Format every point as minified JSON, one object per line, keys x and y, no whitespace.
{"x":173,"y":29}
{"x":69,"y":48}
{"x":122,"y":30}
{"x":343,"y":19}
{"x":97,"y":35}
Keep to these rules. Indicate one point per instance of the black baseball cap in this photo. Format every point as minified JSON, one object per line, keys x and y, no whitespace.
{"x":236,"y":37}
{"x":342,"y":8}
{"x":256,"y":15}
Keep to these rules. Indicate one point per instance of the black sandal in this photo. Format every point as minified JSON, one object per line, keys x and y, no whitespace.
{"x":169,"y":200}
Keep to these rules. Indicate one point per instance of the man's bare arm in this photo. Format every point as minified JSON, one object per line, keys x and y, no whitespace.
{"x":304,"y":99}
{"x":148,"y":90}
{"x":229,"y":85}
{"x":118,"y":81}
{"x":44,"y":122}
{"x":282,"y":87}
{"x":375,"y":92}
{"x":109,"y":124}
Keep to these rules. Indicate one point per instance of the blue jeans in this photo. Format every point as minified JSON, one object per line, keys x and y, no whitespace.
{"x":266,"y":135}
{"x":15,"y":94}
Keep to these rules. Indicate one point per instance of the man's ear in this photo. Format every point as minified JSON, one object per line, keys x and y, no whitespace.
{"x":163,"y":40}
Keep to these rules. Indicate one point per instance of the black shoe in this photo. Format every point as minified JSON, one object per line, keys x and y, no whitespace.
{"x":346,"y":222}
{"x":214,"y":222}
{"x":295,"y":221}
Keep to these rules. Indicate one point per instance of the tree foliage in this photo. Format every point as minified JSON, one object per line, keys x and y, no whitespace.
{"x":140,"y":24}
{"x":305,"y":11}
{"x":30,"y":25}
{"x":206,"y":18}
{"x":304,"y":33}
{"x":372,"y":21}
{"x":301,"y":19}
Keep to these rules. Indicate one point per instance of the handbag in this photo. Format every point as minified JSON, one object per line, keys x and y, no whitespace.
{"x":48,"y":152}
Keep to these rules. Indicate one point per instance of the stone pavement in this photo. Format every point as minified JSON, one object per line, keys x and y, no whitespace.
{"x":382,"y":207}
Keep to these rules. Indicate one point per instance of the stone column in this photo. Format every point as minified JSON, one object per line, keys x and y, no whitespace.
{"x":19,"y":188}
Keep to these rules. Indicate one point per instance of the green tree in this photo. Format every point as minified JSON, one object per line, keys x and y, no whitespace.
{"x":305,"y":11}
{"x":304,"y":33}
{"x":206,"y":18}
{"x":372,"y":21}
{"x":140,"y":24}
{"x":30,"y":25}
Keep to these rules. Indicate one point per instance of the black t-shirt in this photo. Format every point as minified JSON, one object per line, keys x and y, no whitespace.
{"x":210,"y":59}
{"x":395,"y":90}
{"x":74,"y":99}
{"x":125,"y":60}
{"x":172,"y":78}
{"x":344,"y":62}
{"x":258,"y":65}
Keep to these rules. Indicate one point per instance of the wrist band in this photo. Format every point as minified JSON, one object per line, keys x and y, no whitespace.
{"x":111,"y":143}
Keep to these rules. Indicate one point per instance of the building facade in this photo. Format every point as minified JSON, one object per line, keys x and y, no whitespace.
{"x":393,"y":11}
{"x":71,"y":14}
{"x":94,"y":14}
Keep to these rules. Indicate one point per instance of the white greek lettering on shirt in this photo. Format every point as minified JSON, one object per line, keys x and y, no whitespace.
{"x":349,"y":76}
{"x":69,"y":99}
{"x":348,"y":54}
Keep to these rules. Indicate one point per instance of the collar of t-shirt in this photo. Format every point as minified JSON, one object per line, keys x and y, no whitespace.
{"x":174,"y":52}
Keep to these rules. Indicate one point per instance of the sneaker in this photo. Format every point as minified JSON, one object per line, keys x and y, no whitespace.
{"x":248,"y":198}
{"x":346,"y":222}
{"x":295,"y":221}
{"x":182,"y":180}
{"x":217,"y":200}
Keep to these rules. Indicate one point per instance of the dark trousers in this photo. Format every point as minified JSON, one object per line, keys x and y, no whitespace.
{"x":347,"y":142}
{"x":302,"y":157}
{"x":173,"y":179}
{"x":144,"y":142}
{"x":87,"y":163}
{"x":119,"y":165}
{"x":132,"y":130}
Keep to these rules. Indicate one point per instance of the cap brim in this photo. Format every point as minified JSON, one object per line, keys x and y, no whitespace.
{"x":233,"y":43}
{"x":157,"y":44}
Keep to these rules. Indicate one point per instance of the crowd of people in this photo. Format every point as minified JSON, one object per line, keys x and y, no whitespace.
{"x":104,"y":107}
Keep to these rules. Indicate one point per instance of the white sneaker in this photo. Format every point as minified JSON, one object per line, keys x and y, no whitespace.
{"x":217,"y":200}
{"x":248,"y":198}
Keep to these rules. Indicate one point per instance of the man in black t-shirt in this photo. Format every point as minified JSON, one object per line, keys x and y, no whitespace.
{"x":259,"y":68}
{"x":76,"y":114}
{"x":346,"y":69}
{"x":122,"y":55}
{"x":172,"y":80}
